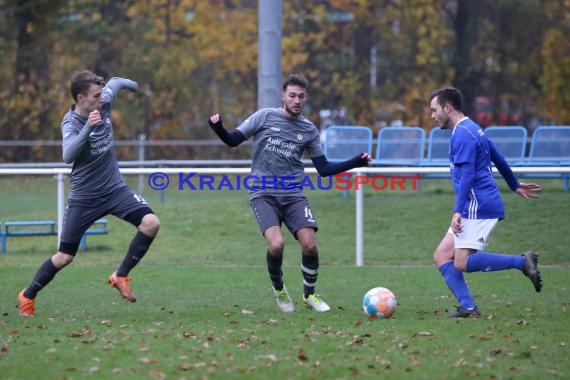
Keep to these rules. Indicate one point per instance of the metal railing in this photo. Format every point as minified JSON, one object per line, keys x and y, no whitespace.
{"x":61,"y":173}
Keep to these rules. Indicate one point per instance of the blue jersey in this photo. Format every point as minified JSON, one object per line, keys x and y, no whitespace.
{"x":471,"y":155}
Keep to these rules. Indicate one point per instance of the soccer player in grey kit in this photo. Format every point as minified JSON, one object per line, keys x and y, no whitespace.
{"x":280,"y":136}
{"x":97,"y":187}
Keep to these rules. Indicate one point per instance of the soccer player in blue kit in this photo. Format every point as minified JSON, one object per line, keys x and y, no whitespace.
{"x":478,"y":205}
{"x":97,"y":187}
{"x":280,"y":136}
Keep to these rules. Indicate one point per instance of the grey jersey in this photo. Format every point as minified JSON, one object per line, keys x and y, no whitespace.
{"x":278,"y":146}
{"x":95,"y":170}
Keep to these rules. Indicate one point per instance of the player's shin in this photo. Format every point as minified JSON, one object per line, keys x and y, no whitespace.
{"x":137,"y":249}
{"x":310,"y":270}
{"x":456,"y":283}
{"x":274,"y":264}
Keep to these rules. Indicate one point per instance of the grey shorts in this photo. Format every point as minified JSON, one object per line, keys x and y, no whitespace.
{"x":295,"y":212}
{"x":123,"y":203}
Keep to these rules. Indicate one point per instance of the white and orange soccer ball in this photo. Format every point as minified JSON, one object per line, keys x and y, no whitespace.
{"x":379,"y":303}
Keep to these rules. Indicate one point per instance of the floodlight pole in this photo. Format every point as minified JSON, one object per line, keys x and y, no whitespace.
{"x":60,"y":177}
{"x":270,"y":53}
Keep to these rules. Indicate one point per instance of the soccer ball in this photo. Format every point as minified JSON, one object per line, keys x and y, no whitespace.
{"x":379,"y":303}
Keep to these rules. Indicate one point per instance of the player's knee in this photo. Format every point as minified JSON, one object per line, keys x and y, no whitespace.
{"x":441,"y":257}
{"x":61,"y":259}
{"x":436,"y":259}
{"x":460,"y":265}
{"x":309,"y":248}
{"x":276,"y":247}
{"x":150,"y":225}
{"x":445,"y":252}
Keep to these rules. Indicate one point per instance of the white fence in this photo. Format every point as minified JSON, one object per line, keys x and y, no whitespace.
{"x":61,"y":173}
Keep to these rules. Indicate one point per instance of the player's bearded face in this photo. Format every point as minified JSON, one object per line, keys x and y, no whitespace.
{"x":438,"y":114}
{"x":294,"y":99}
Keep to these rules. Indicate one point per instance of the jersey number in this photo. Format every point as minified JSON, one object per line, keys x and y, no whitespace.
{"x":140,"y":199}
{"x":308,"y":214}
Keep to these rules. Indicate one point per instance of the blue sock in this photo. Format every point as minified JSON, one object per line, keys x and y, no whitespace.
{"x":456,"y":283}
{"x":490,"y":262}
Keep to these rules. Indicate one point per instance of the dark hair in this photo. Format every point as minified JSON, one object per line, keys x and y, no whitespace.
{"x":296,"y":80}
{"x":82,"y":80}
{"x":449,"y":95}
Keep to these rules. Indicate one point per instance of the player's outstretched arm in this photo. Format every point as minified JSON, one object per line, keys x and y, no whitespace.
{"x":325,"y":167}
{"x":525,"y":190}
{"x":231,"y":139}
{"x":117,"y":84}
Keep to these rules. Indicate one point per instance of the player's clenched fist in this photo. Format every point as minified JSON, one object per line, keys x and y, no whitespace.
{"x":215,"y":118}
{"x":95,"y":118}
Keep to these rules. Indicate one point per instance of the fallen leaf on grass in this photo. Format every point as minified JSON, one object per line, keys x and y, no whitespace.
{"x":356,"y":342}
{"x":270,"y":357}
{"x":301,"y":356}
{"x":148,"y":360}
{"x":155,"y":373}
{"x":495,"y":351}
{"x":243,"y":343}
{"x":353,"y":371}
{"x":188,"y":335}
{"x":84,"y":332}
{"x":414,"y":361}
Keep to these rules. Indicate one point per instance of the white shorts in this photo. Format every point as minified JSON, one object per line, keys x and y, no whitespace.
{"x":475,"y":233}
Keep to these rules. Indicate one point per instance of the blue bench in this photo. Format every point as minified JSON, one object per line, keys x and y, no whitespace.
{"x":438,"y":151}
{"x":510,"y":141}
{"x":400,"y":146}
{"x":550,"y":146}
{"x":45,"y":228}
{"x":344,"y":142}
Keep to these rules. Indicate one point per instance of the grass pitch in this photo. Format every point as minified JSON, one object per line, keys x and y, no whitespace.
{"x":206,"y":310}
